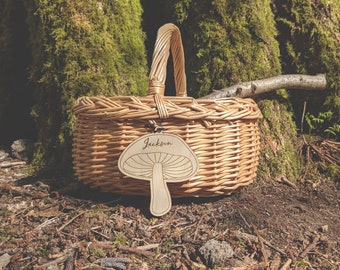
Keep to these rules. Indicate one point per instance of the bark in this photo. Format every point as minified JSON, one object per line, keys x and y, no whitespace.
{"x":252,"y":88}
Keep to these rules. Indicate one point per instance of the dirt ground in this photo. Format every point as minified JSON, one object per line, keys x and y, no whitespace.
{"x":49,"y":223}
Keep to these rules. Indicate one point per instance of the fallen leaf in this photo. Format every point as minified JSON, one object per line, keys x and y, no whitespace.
{"x":4,"y":261}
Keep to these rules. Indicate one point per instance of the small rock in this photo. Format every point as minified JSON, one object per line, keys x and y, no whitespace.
{"x":22,"y":149}
{"x":216,"y":253}
{"x":3,"y":155}
{"x":55,"y":250}
{"x":324,"y":228}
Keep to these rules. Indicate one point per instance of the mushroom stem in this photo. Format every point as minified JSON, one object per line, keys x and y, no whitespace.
{"x":160,"y":202}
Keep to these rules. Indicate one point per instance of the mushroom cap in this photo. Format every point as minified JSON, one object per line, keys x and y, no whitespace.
{"x":179,"y":162}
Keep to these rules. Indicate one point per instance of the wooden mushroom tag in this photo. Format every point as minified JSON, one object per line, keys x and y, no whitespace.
{"x":159,"y":158}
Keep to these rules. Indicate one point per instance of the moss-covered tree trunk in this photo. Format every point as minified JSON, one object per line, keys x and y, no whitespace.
{"x":80,"y":48}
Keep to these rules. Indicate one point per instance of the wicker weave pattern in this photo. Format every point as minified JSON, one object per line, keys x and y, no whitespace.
{"x":223,"y":133}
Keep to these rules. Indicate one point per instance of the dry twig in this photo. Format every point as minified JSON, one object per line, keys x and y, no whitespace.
{"x":286,"y":265}
{"x":56,"y":261}
{"x":197,"y":226}
{"x":70,"y":221}
{"x":310,"y":247}
{"x":148,"y":247}
{"x":284,"y":180}
{"x":263,"y":251}
{"x":138,"y":251}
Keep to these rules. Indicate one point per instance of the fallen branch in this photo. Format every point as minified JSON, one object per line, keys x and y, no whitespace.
{"x":290,"y":81}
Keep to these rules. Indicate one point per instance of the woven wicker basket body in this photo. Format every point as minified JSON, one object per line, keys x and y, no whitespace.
{"x":222,"y":133}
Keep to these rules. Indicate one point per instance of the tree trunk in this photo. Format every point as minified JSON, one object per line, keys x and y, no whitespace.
{"x":79,"y":48}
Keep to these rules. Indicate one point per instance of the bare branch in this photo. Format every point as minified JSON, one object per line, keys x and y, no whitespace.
{"x":290,"y":81}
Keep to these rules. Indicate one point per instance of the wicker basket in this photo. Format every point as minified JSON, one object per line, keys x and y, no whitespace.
{"x":222,"y":133}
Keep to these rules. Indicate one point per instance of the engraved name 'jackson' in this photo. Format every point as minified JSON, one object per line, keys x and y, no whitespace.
{"x":157,"y":143}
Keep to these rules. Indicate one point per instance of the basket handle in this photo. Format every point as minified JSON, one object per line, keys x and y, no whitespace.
{"x":168,"y":37}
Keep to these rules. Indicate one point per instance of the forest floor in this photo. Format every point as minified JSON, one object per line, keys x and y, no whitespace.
{"x":48,"y":223}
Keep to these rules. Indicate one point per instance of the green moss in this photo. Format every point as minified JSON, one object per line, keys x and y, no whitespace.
{"x":44,"y":251}
{"x":325,"y":169}
{"x":279,"y":156}
{"x":97,"y":252}
{"x":333,"y":171}
{"x":120,"y":239}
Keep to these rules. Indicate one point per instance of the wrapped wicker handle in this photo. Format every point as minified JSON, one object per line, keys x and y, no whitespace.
{"x":168,"y":37}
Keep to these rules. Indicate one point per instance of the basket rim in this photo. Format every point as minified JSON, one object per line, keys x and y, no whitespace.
{"x":133,"y":107}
